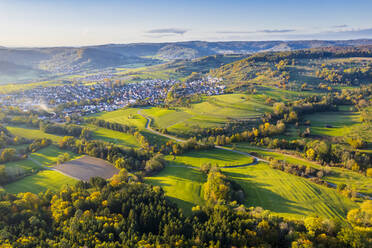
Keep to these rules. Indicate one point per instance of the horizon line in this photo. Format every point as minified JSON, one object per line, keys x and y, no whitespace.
{"x":174,"y":42}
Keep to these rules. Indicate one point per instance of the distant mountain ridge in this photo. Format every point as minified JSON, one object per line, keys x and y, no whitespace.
{"x":69,"y":60}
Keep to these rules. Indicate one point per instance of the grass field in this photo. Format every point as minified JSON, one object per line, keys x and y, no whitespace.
{"x":31,"y":133}
{"x":282,"y":193}
{"x":13,"y":87}
{"x":181,"y":185}
{"x":42,"y":181}
{"x":37,"y":160}
{"x":288,"y":195}
{"x":213,"y":111}
{"x":340,"y":122}
{"x":130,"y":117}
{"x":214,"y":156}
{"x":127,"y":116}
{"x":359,"y":182}
{"x":119,"y":138}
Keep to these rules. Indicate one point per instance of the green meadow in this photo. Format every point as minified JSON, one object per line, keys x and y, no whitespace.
{"x":123,"y":139}
{"x":336,"y":123}
{"x":127,"y":116}
{"x":32,"y":133}
{"x":357,"y":181}
{"x":288,"y":195}
{"x":215,"y":156}
{"x":45,"y":157}
{"x":39,"y":182}
{"x":130,"y":117}
{"x":42,"y":180}
{"x":181,"y":185}
{"x":213,"y":111}
{"x":281,"y":193}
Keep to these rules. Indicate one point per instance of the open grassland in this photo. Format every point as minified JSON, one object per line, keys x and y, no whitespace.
{"x":45,"y":157}
{"x":130,"y":117}
{"x":42,"y":181}
{"x":333,"y":123}
{"x":122,"y":139}
{"x":48,"y":155}
{"x":213,"y":156}
{"x":31,"y":133}
{"x":9,"y":88}
{"x":282,"y":193}
{"x":357,"y":181}
{"x":126,"y":116}
{"x":212,"y":111}
{"x":182,"y":185}
{"x":288,"y":195}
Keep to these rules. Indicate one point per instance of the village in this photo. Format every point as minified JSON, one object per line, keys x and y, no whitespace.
{"x":82,"y":99}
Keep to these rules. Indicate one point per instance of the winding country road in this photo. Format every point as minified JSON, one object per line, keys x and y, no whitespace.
{"x":256,"y":160}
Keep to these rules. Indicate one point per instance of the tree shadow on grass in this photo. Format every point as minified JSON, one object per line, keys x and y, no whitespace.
{"x":257,"y":195}
{"x":184,"y":205}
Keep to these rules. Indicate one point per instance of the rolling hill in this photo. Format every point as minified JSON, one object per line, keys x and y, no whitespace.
{"x":18,"y":62}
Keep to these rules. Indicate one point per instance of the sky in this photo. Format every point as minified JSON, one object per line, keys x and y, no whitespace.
{"x":90,"y":22}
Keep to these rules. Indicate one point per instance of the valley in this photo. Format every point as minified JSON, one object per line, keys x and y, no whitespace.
{"x":279,"y":134}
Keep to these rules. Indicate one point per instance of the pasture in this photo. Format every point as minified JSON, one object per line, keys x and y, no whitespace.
{"x":357,"y":181}
{"x":32,"y":133}
{"x":40,"y":182}
{"x":122,"y":139}
{"x":213,"y":111}
{"x":181,"y":185}
{"x":281,"y":193}
{"x":86,"y":167}
{"x":288,"y":195}
{"x":130,"y":117}
{"x":45,"y":157}
{"x":215,"y":156}
{"x":126,"y":116}
{"x":333,"y":123}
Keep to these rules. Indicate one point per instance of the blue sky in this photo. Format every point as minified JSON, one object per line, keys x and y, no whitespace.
{"x":77,"y":23}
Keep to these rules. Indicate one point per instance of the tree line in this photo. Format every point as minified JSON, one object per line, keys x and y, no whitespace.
{"x":116,"y":213}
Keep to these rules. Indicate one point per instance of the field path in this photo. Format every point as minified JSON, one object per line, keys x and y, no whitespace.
{"x":148,"y":127}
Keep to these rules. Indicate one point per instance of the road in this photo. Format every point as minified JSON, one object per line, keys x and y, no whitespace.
{"x":256,"y":160}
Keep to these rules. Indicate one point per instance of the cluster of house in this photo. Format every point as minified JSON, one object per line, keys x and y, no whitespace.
{"x":97,"y":78}
{"x":81,"y":99}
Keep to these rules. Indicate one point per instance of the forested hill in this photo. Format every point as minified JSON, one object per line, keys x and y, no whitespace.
{"x":193,"y":49}
{"x":118,"y":54}
{"x":307,"y":65}
{"x":47,"y":62}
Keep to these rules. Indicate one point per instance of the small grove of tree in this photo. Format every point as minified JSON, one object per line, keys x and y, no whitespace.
{"x":131,"y":159}
{"x":218,"y":189}
{"x":8,"y":154}
{"x":113,"y":126}
{"x":66,"y":129}
{"x":156,"y":163}
{"x":62,"y":158}
{"x":38,"y":144}
{"x":356,"y":143}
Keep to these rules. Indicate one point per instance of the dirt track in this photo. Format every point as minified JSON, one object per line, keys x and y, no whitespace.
{"x":86,"y":167}
{"x":148,"y":127}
